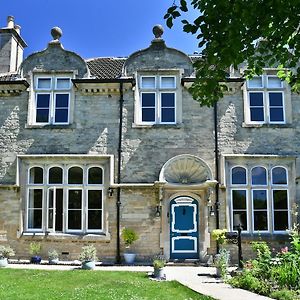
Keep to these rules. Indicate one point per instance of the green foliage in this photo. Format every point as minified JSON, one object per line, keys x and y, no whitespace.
{"x":104,"y":285}
{"x":52,"y":254}
{"x":277,"y":275}
{"x":6,"y":252}
{"x":35,"y":248}
{"x":263,"y":33}
{"x":221,"y":260}
{"x":88,"y":253}
{"x":129,"y":236}
{"x":285,"y":295}
{"x":159,"y":263}
{"x":219,"y":235}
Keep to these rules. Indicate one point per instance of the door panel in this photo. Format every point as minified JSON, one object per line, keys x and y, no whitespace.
{"x":184,"y":228}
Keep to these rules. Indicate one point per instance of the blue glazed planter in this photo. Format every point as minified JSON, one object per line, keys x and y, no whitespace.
{"x":36,"y":259}
{"x":88,"y":265}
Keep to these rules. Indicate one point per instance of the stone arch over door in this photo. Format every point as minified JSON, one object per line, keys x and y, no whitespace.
{"x":185,"y":181}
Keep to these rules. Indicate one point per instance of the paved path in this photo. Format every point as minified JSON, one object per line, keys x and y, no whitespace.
{"x":199,"y":279}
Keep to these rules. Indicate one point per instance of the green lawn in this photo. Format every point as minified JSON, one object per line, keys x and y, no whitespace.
{"x":78,"y":284}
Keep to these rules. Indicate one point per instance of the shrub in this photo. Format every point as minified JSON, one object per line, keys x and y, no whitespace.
{"x":284,"y":295}
{"x":52,"y":254}
{"x":219,"y":235}
{"x":88,"y":253}
{"x":158,"y":263}
{"x":35,"y":248}
{"x":129,"y":236}
{"x":6,"y":252}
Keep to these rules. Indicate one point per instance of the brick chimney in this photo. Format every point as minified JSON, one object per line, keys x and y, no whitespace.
{"x":11,"y":47}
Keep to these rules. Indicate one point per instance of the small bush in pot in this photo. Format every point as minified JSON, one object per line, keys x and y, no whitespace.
{"x":129,"y":236}
{"x":35,"y":249}
{"x":53,"y":257}
{"x":5,"y":253}
{"x":158,"y":265}
{"x":88,"y":257}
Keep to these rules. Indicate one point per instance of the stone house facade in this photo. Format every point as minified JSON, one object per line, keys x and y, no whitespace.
{"x":89,"y":147}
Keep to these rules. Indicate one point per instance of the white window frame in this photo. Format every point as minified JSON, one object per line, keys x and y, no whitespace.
{"x":52,"y":92}
{"x":265,"y":90}
{"x":247,"y":207}
{"x":264,"y":210}
{"x":84,"y":187}
{"x":158,"y":91}
{"x":269,"y":187}
{"x":238,"y":184}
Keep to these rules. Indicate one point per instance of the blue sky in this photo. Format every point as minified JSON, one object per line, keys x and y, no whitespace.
{"x":94,"y":28}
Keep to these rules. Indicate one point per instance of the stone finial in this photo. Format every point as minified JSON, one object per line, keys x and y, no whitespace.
{"x":158,"y":31}
{"x":56,"y":33}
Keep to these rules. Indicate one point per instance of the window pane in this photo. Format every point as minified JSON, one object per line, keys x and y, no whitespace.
{"x":75,"y":197}
{"x":239,"y":199}
{"x":168,"y":115}
{"x":36,"y":175}
{"x":42,"y":116}
{"x":275,"y":99}
{"x":63,"y":83}
{"x":276,"y":115}
{"x":148,"y":114}
{"x":35,"y":198}
{"x":280,"y":199}
{"x":255,"y":82}
{"x":281,"y":220}
{"x":148,"y":82}
{"x":239,"y":218}
{"x":61,"y":100}
{"x":274,"y":82}
{"x":238,"y":175}
{"x":95,"y":176}
{"x":94,"y":199}
{"x":259,"y":199}
{"x":75,"y":175}
{"x":95,"y":219}
{"x":259,"y":176}
{"x":167,"y":99}
{"x":257,"y":114}
{"x":56,"y":175}
{"x":148,"y":99}
{"x":279,"y":175}
{"x":43,"y":100}
{"x":61,"y":115}
{"x":35,"y":219}
{"x":44,"y":83}
{"x":260,"y":220}
{"x":167,"y":82}
{"x":74,"y":219}
{"x":256,"y":99}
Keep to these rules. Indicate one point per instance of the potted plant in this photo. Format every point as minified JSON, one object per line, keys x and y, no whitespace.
{"x":35,"y":250}
{"x":129,"y":236}
{"x":88,"y":257}
{"x":158,"y":265}
{"x":53,"y":257}
{"x":221,"y":259}
{"x":5,"y":253}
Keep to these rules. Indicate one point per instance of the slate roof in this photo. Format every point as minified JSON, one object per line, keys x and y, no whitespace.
{"x":106,"y":67}
{"x":100,"y":68}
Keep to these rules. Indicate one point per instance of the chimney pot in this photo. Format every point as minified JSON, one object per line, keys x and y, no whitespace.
{"x":10,"y":22}
{"x":18,"y":29}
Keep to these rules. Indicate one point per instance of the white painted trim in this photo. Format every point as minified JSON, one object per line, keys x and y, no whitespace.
{"x":246,"y":172}
{"x":251,"y":176}
{"x":195,"y":223}
{"x":184,"y":238}
{"x":286,"y":174}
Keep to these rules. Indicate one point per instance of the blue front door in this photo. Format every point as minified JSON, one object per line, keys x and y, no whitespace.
{"x":184,"y":228}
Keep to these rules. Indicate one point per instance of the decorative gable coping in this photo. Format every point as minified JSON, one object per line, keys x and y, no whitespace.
{"x":13,"y":88}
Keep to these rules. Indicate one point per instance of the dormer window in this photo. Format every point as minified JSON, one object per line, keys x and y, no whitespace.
{"x":51,"y":100}
{"x":265,"y":100}
{"x":157,"y":99}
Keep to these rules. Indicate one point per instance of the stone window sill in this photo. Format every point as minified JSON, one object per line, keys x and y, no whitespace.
{"x":50,"y":126}
{"x":166,"y":126}
{"x":265,"y":125}
{"x":68,"y":236}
